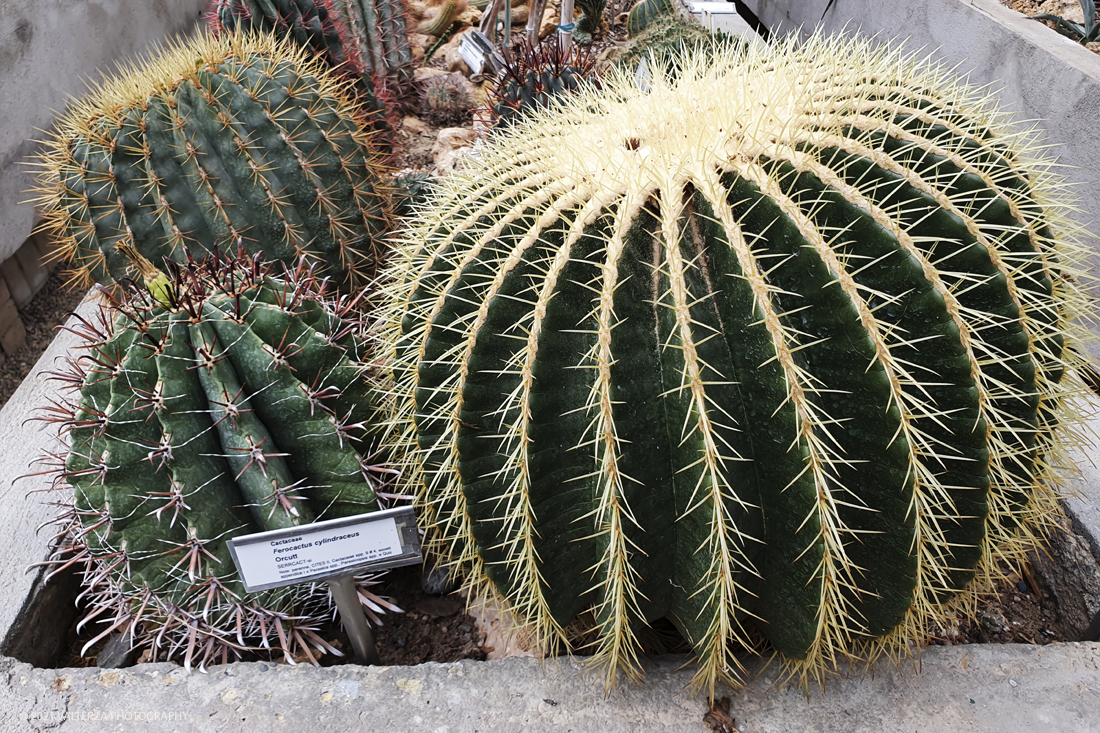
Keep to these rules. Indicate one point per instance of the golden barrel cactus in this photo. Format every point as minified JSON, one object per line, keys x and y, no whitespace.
{"x":779,"y":347}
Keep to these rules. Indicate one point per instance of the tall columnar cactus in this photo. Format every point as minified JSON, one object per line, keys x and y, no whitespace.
{"x":379,"y":30}
{"x":225,"y":403}
{"x":782,"y":344}
{"x":210,"y":143}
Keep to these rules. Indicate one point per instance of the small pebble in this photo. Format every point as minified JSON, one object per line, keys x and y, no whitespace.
{"x":399,"y":638}
{"x":1021,"y":586}
{"x":117,"y":654}
{"x":438,"y":581}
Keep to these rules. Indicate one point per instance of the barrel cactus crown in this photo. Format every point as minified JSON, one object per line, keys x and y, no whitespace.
{"x":779,"y":348}
{"x":225,"y":403}
{"x":213,"y":142}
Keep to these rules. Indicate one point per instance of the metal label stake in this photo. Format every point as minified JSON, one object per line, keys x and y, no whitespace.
{"x":334,"y":551}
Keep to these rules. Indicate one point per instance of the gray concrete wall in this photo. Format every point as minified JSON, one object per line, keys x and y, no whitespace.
{"x":1040,"y":75}
{"x":49,"y":50}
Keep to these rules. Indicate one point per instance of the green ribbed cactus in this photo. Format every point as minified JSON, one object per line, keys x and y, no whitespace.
{"x":210,"y":143}
{"x":645,"y":13}
{"x":379,"y":30}
{"x":305,"y":21}
{"x":533,"y":76}
{"x":666,"y":39}
{"x":226,"y":403}
{"x":312,"y":25}
{"x":777,"y":348}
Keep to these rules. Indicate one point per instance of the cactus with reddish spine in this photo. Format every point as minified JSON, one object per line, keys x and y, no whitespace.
{"x":218,"y":403}
{"x":533,"y":76}
{"x":211,"y":143}
{"x":379,"y":30}
{"x":783,"y":345}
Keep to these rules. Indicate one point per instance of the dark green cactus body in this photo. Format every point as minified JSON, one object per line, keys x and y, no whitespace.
{"x":305,"y":21}
{"x":776,"y":344}
{"x":241,"y":408}
{"x":231,"y":141}
{"x":534,"y":76}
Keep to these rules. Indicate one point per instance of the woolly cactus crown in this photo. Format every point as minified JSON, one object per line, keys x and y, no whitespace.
{"x":780,"y":345}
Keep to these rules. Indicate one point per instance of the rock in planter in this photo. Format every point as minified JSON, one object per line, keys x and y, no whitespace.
{"x":451,"y":146}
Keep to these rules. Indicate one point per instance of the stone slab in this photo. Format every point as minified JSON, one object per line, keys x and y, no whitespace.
{"x":978,"y":689}
{"x":21,"y":442}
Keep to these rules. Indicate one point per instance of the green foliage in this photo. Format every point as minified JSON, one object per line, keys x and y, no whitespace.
{"x":534,"y":76}
{"x":238,"y":405}
{"x":780,"y":347}
{"x":1083,"y":34}
{"x":215,"y":142}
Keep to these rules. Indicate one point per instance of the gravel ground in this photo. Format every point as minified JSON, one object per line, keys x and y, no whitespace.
{"x":41,"y":317}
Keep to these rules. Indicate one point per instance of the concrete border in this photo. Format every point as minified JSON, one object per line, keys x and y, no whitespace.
{"x":982,"y":688}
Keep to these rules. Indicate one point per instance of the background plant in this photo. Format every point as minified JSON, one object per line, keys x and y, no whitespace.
{"x":1083,"y":34}
{"x":780,"y":347}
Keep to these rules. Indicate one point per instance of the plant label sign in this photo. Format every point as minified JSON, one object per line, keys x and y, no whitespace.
{"x":373,"y":541}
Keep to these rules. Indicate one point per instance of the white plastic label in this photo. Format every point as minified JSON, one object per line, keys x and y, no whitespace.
{"x":320,"y":550}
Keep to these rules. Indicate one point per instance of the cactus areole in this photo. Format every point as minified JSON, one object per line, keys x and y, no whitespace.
{"x":236,"y":406}
{"x":780,"y":344}
{"x":210,"y":143}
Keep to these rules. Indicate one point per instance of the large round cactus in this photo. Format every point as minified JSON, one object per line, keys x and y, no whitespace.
{"x":780,"y":344}
{"x":210,"y":143}
{"x":226,"y":403}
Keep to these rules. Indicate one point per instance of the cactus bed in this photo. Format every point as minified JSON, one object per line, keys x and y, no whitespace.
{"x":1041,"y":622}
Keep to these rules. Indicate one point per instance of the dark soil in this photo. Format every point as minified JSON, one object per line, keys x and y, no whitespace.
{"x":46,"y":311}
